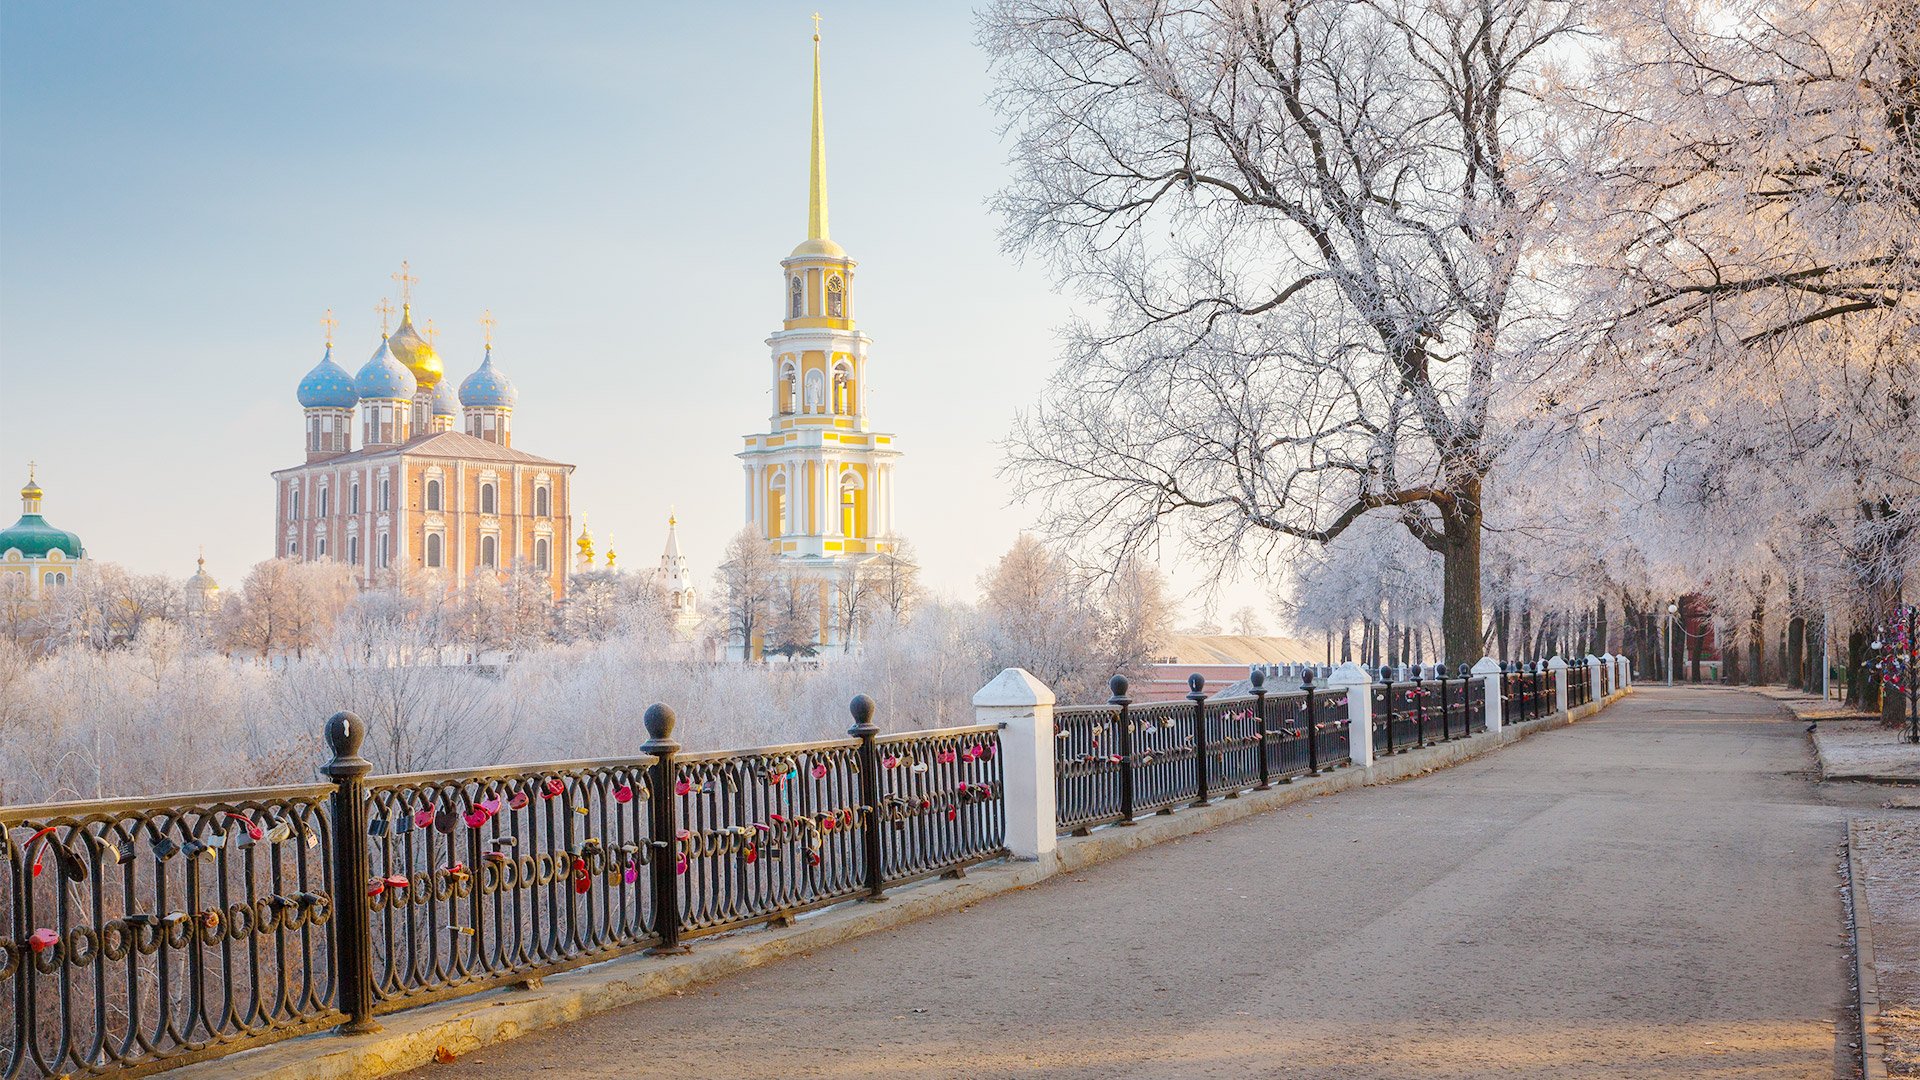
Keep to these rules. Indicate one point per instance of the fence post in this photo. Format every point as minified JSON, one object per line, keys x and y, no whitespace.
{"x":1559,"y":669}
{"x":665,"y":863}
{"x":1386,"y":676}
{"x":1313,"y":726}
{"x":1257,"y":675}
{"x":1197,"y":694}
{"x":1626,"y":673}
{"x":1446,"y":704}
{"x":1593,"y":680}
{"x":351,"y":926}
{"x":1612,"y":672}
{"x":1359,"y":687}
{"x":869,"y":755}
{"x":1124,"y":717}
{"x":1023,"y":707}
{"x":1487,"y":669}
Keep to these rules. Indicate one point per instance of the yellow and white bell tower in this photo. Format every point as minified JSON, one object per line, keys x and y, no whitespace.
{"x":819,"y":482}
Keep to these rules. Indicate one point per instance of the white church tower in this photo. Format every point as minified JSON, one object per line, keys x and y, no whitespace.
{"x":677,"y":580}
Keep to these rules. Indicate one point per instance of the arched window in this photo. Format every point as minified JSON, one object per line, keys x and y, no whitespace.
{"x":489,"y":551}
{"x":58,"y":578}
{"x":542,"y":554}
{"x":777,"y":506}
{"x":320,"y":545}
{"x":794,"y":298}
{"x":386,"y":552}
{"x":542,"y":501}
{"x":488,"y":504}
{"x":836,"y":296}
{"x":353,"y":497}
{"x":386,"y":494}
{"x":293,"y":502}
{"x":433,"y":496}
{"x":433,"y":549}
{"x":353,"y":550}
{"x":293,"y":547}
{"x":324,"y":502}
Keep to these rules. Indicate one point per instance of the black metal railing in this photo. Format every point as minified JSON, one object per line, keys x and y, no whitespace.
{"x":482,"y":878}
{"x":140,"y":934}
{"x":1580,"y":684}
{"x":139,"y":931}
{"x":1117,"y":761}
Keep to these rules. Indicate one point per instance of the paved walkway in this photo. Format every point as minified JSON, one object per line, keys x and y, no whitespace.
{"x":1650,"y":893}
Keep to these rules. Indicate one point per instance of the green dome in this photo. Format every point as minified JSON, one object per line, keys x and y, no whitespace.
{"x":35,"y":539}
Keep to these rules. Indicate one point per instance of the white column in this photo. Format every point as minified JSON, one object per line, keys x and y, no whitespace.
{"x":1353,"y":678}
{"x":834,"y":520}
{"x":1488,"y":672}
{"x":1559,"y":669}
{"x":1611,"y":671}
{"x":1023,"y":706}
{"x":1592,"y":676}
{"x":1626,"y":673}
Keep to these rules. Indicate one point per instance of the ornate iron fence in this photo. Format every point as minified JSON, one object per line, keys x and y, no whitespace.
{"x":135,"y":932}
{"x":1579,"y":684}
{"x":1113,"y":762}
{"x":140,"y":934}
{"x":482,"y":878}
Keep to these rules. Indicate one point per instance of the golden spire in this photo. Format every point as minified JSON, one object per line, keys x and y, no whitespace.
{"x":384,"y":309}
{"x":329,"y":324}
{"x":487,"y":322}
{"x":817,"y":168}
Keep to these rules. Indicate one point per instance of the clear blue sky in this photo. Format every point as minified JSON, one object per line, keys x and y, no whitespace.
{"x":185,"y":188}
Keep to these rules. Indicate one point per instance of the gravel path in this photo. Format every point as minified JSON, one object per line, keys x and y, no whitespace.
{"x":1650,"y":893}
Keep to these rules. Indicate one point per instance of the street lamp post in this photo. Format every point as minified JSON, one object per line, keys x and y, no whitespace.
{"x":1673,"y":609}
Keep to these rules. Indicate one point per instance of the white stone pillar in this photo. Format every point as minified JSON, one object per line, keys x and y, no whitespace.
{"x":1353,"y":678}
{"x":1023,"y":706}
{"x":1594,"y":691}
{"x":1559,"y":669}
{"x":1626,"y":672}
{"x":1488,"y":672}
{"x":1612,"y":673}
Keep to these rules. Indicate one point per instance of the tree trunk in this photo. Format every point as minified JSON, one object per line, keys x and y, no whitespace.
{"x":1757,"y":641}
{"x":1460,"y":585}
{"x":1597,"y":641}
{"x":1856,"y":653}
{"x":1796,"y":651}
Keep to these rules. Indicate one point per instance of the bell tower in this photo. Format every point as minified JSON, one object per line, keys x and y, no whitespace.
{"x":819,"y":481}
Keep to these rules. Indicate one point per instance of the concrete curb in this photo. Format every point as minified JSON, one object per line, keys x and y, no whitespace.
{"x":1873,"y":1045}
{"x":410,"y":1039}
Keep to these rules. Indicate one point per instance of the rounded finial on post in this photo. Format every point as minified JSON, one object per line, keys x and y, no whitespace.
{"x":345,"y":733}
{"x":1196,"y":682}
{"x":1306,"y":679}
{"x":1117,"y":686}
{"x":1258,"y":677}
{"x":862,"y":709}
{"x":1386,"y":674}
{"x":1466,"y":670}
{"x":659,"y":720}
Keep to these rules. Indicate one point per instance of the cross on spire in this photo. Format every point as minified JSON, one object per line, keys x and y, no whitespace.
{"x":384,"y":309}
{"x":407,"y":282}
{"x":816,"y":26}
{"x":487,"y":323}
{"x":328,"y":323}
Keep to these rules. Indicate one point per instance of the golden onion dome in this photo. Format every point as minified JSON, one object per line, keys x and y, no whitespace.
{"x":818,"y":247}
{"x":415,"y":351}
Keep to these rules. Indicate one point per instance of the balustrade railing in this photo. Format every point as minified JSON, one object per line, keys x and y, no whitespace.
{"x":140,"y":934}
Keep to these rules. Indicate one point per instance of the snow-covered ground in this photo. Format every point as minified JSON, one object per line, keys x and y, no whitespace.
{"x":1862,"y":749}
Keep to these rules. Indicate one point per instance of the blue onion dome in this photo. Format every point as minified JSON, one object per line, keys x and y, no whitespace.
{"x":488,"y":387}
{"x":384,"y":378}
{"x":328,"y":386}
{"x":415,"y":351}
{"x":445,"y":401}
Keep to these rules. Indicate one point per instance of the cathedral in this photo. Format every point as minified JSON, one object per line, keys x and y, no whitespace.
{"x":819,"y":481}
{"x":436,"y":487}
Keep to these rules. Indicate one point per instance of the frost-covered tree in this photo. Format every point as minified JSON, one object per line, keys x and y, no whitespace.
{"x":1310,"y":229}
{"x":744,"y":587}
